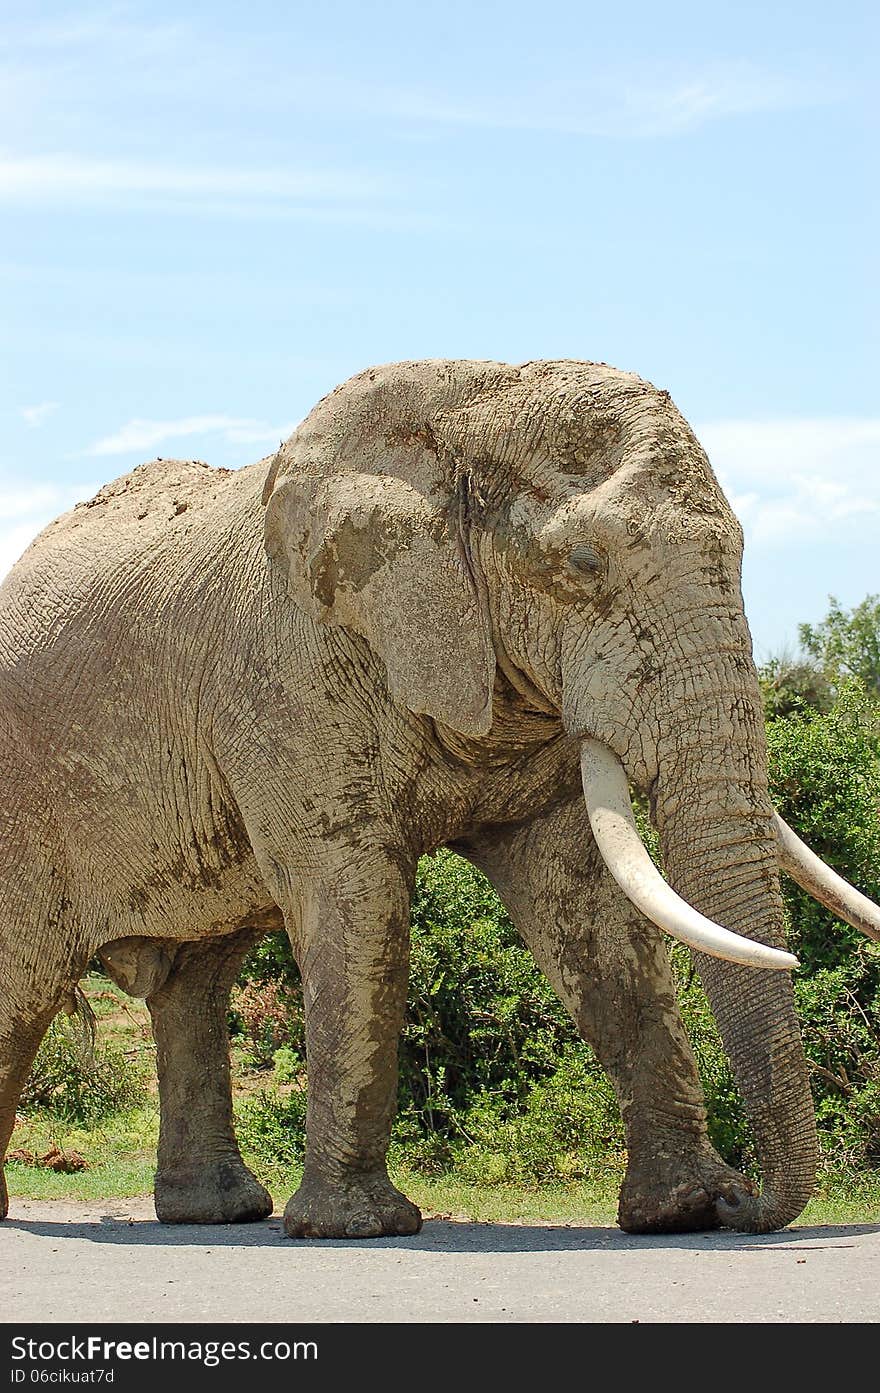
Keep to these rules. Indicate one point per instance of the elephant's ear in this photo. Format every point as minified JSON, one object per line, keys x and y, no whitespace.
{"x":372,"y":553}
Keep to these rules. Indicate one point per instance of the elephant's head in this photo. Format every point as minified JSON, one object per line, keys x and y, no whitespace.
{"x":560,"y":521}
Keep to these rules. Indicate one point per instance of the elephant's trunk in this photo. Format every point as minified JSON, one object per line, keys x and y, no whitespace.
{"x":755,"y":1014}
{"x":731,"y":874}
{"x":720,"y":852}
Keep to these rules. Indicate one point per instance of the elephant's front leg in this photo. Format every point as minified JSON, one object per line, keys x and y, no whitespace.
{"x":201,"y":1178}
{"x":352,"y":944}
{"x":611,"y":969}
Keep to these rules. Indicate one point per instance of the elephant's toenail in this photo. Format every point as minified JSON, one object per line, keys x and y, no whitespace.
{"x":363,"y":1227}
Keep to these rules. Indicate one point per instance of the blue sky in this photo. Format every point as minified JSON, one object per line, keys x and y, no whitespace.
{"x":210,"y":215}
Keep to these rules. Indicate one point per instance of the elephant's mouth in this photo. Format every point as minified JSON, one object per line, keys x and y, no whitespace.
{"x":608,"y":804}
{"x":519,"y":681}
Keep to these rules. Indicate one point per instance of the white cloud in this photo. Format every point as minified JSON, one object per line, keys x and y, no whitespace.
{"x":628,"y":105}
{"x":109,"y":25}
{"x":140,"y":435}
{"x":21,"y":501}
{"x":61,"y":177}
{"x":81,"y":60}
{"x":258,"y":433}
{"x":36,"y":415}
{"x":798,"y":480}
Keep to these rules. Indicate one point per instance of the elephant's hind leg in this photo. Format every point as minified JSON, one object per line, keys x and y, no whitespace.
{"x":201,"y":1178}
{"x":20,"y":1037}
{"x":37,"y":978}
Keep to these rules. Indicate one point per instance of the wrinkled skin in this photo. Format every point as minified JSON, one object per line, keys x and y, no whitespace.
{"x":221,"y":712}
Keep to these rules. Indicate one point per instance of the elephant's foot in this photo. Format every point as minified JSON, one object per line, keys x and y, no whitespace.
{"x":355,"y":1206}
{"x":220,"y":1192}
{"x":678,"y":1194}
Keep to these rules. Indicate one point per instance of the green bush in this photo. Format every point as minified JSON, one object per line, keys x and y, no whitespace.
{"x":271,"y":960}
{"x":481,"y":1019}
{"x":568,"y":1127}
{"x":825,"y":781}
{"x":791,"y":685}
{"x":840,"y":1013}
{"x":288,"y":1065}
{"x":265,"y":1016}
{"x":78,"y":1082}
{"x":844,"y":645}
{"x":271,"y":1126}
{"x":847,"y":643}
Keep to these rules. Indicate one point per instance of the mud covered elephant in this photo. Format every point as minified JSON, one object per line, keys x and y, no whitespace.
{"x":465,"y":605}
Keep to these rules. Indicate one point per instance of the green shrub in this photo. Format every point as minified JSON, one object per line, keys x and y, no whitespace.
{"x":844,"y":645}
{"x":567,"y":1128}
{"x":80,"y":1083}
{"x":271,"y":960}
{"x":266,"y":1016}
{"x":790,"y":685}
{"x":825,"y":781}
{"x":271,"y":1125}
{"x":288,"y":1065}
{"x":847,"y":643}
{"x":481,"y":1019}
{"x":840,"y":1013}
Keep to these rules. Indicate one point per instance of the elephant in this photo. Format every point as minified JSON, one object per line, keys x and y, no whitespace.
{"x":466,"y":604}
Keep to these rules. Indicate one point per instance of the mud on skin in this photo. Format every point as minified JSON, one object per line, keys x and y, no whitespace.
{"x":231,"y":701}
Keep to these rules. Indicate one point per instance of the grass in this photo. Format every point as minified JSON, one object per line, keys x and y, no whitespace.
{"x":120,"y":1154}
{"x":122,"y":1174}
{"x":845,"y":1199}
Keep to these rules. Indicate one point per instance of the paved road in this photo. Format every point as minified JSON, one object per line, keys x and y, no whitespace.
{"x":111,"y":1261}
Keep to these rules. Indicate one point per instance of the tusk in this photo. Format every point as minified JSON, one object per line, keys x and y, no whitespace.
{"x":617,"y":837}
{"x":825,"y":885}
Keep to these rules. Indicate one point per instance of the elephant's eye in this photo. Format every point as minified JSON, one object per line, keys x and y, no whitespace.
{"x":586,"y":560}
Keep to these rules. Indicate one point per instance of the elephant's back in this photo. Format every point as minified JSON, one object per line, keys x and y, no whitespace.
{"x":92,"y":553}
{"x":106,"y":557}
{"x":151,"y":495}
{"x":127,"y":513}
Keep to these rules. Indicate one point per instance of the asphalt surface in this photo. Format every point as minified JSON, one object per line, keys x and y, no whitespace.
{"x":112,"y":1261}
